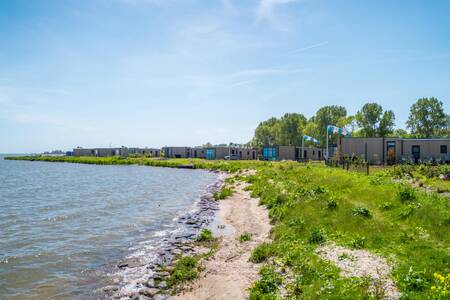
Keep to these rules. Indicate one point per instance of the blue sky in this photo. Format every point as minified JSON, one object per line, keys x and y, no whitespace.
{"x":185,"y":72}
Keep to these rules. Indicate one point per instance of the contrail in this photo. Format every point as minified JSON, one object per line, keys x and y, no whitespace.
{"x":310,"y":47}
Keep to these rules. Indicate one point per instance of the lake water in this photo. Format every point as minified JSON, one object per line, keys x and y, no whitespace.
{"x":64,"y":227}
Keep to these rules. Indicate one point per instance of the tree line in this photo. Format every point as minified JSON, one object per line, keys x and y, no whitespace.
{"x":427,"y":119}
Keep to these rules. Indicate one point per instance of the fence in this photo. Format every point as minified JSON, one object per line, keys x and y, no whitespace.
{"x":349,"y":165}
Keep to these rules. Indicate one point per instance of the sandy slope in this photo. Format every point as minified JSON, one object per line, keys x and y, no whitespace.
{"x":229,"y":274}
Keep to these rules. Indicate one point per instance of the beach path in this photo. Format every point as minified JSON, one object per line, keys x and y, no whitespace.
{"x":229,"y":274}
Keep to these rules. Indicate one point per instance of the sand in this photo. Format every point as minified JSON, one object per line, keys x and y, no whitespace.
{"x":229,"y":274}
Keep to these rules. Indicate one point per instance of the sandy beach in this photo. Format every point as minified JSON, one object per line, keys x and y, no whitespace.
{"x":229,"y":274}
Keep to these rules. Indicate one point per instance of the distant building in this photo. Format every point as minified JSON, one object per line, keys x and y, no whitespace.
{"x":235,"y":152}
{"x":177,"y":152}
{"x":122,"y":151}
{"x":279,"y":152}
{"x":153,"y":152}
{"x":392,"y":150}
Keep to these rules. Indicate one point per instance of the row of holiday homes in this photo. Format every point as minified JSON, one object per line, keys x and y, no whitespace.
{"x":372,"y":150}
{"x":216,"y":152}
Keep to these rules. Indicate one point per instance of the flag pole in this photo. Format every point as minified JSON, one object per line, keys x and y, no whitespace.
{"x":303,"y":142}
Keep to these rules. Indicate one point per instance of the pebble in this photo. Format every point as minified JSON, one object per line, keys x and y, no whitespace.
{"x":150,"y":283}
{"x":162,"y":285}
{"x":149,"y":292}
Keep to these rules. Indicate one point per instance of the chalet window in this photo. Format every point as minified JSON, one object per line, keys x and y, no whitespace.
{"x":443,"y":149}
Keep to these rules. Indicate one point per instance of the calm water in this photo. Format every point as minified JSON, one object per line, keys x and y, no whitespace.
{"x":63,"y":226}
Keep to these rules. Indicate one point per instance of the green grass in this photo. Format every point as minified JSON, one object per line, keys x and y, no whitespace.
{"x":205,"y":236}
{"x":245,"y":237}
{"x":224,"y":193}
{"x":185,"y":269}
{"x":408,"y":227}
{"x":221,"y":165}
{"x":267,"y":286}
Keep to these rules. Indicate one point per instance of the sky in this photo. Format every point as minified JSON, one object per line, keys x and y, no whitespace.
{"x":100,"y":73}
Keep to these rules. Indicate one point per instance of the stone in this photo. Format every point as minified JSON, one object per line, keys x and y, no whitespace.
{"x":110,"y":288}
{"x":162,"y":285}
{"x":149,"y":292}
{"x":150,"y":283}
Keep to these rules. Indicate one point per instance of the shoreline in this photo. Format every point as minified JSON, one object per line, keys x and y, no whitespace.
{"x":228,"y":273}
{"x":175,"y":243}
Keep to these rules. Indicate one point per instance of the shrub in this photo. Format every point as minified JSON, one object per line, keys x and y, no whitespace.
{"x":223,"y":194}
{"x":441,"y":288}
{"x":299,"y":223}
{"x":317,"y":236}
{"x":406,"y":193}
{"x":407,"y":211}
{"x":320,"y":190}
{"x":205,"y":235}
{"x":185,"y":269}
{"x":414,"y":280}
{"x":386,"y":206}
{"x":261,"y":253}
{"x":361,"y":211}
{"x":267,"y":286}
{"x":359,"y":242}
{"x":245,"y":237}
{"x":331,"y":203}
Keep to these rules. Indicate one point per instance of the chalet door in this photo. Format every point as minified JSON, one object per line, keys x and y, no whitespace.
{"x":415,"y":150}
{"x":391,"y":153}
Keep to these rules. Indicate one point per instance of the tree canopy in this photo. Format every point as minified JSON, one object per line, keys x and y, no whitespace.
{"x":374,"y":122}
{"x":427,"y":118}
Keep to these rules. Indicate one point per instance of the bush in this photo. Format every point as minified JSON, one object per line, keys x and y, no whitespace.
{"x":406,"y":193}
{"x":331,"y":203}
{"x":205,"y":236}
{"x":361,"y":211}
{"x":407,"y":211}
{"x":317,"y":236}
{"x":414,"y":280}
{"x":386,"y":206}
{"x":223,"y":194}
{"x":261,"y":253}
{"x":185,"y":269}
{"x":359,"y":242}
{"x":267,"y":286}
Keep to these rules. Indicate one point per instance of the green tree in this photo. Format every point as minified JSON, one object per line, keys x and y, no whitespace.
{"x":427,"y":118}
{"x":267,"y":133}
{"x":373,"y":121}
{"x":291,"y":129}
{"x":328,"y":115}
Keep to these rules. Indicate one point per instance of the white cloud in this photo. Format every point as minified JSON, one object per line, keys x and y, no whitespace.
{"x":266,"y":8}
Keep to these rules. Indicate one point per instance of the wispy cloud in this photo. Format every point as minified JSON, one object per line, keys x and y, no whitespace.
{"x":242,"y":83}
{"x":310,"y":47}
{"x":266,"y":8}
{"x":267,"y":71}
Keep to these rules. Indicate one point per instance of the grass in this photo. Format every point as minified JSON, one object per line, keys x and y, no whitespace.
{"x":220,"y":165}
{"x":410,"y":228}
{"x":185,"y":269}
{"x":224,"y":193}
{"x":267,"y":286}
{"x":312,"y":204}
{"x":245,"y":237}
{"x":205,"y":236}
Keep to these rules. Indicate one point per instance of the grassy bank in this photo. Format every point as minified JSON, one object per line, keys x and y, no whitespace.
{"x":312,"y":205}
{"x":231,"y":166}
